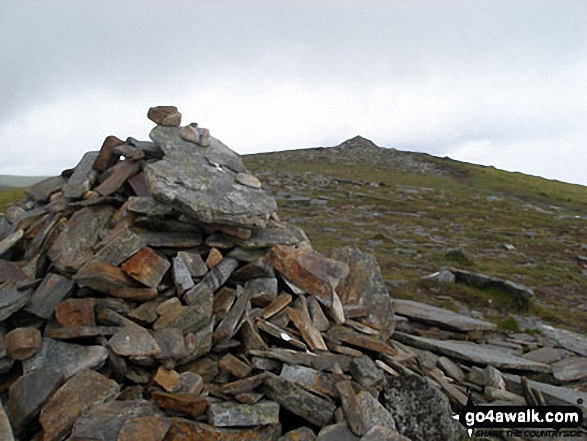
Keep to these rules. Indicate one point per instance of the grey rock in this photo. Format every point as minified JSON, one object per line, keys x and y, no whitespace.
{"x":82,"y":178}
{"x":194,"y":263}
{"x":118,"y":247}
{"x":134,"y":341}
{"x":104,"y":421}
{"x":172,"y":239}
{"x":150,"y":149}
{"x":521,"y":292}
{"x":213,"y":280}
{"x":74,"y":245}
{"x":546,"y":355}
{"x":379,"y":433}
{"x":451,"y":369}
{"x":147,"y":205}
{"x":364,"y":286}
{"x":420,"y":411}
{"x":67,"y":358}
{"x":171,"y":342}
{"x":366,"y":373}
{"x":571,"y":341}
{"x":53,"y":289}
{"x":570,"y":369}
{"x":5,"y":228}
{"x":10,"y":241}
{"x":28,"y":393}
{"x":201,"y":183}
{"x":421,"y":312}
{"x":336,"y":432}
{"x":473,"y":353}
{"x":442,"y":276}
{"x":12,"y":300}
{"x":42,"y":190}
{"x":181,"y":276}
{"x":230,"y":414}
{"x":320,"y":383}
{"x":262,"y":288}
{"x":554,"y":395}
{"x":373,"y":412}
{"x":275,"y":233}
{"x":492,"y":377}
{"x":294,"y":398}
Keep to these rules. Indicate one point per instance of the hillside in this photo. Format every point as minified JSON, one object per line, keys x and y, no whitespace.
{"x":9,"y":181}
{"x":412,"y":211}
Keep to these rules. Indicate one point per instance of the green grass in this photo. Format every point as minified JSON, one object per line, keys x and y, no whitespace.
{"x":479,"y":209}
{"x":10,"y":197}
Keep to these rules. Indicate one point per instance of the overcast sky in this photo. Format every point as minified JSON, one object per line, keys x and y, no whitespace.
{"x":500,"y":83}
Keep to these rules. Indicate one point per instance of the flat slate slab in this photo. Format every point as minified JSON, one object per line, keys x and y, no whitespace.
{"x":201,"y":182}
{"x":443,"y":318}
{"x":473,"y":353}
{"x":569,"y":340}
{"x":570,"y":369}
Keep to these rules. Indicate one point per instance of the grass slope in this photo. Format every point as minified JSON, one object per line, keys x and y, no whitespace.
{"x":409,"y":220}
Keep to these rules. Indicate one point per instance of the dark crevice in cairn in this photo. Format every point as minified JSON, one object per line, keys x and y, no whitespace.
{"x":152,"y":293}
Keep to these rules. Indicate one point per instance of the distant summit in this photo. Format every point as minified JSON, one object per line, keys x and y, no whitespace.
{"x":358,"y":142}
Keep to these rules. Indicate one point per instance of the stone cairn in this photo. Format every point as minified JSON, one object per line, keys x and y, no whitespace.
{"x":152,"y":293}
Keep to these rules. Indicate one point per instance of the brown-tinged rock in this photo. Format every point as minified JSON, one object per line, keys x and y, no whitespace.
{"x":228,"y":414}
{"x":133,"y":341}
{"x":165,"y":115}
{"x":74,"y":245}
{"x":104,"y":421}
{"x":76,"y":395}
{"x":364,"y":285}
{"x":235,"y":366}
{"x":243,"y":385}
{"x":74,"y":332}
{"x":152,"y":428}
{"x":106,"y":157}
{"x":188,"y":404}
{"x":309,"y":270}
{"x":195,"y":134}
{"x":10,"y":272}
{"x":129,"y":152}
{"x":147,"y":267}
{"x":139,"y":185}
{"x":309,"y":333}
{"x":191,"y":383}
{"x":103,"y":278}
{"x":22,"y":343}
{"x":351,"y":408}
{"x":281,"y":334}
{"x":184,"y":430}
{"x":118,"y":176}
{"x":5,"y":428}
{"x":294,"y":398}
{"x":223,"y":301}
{"x":228,"y":327}
{"x":52,"y":290}
{"x":359,"y":340}
{"x":76,"y":312}
{"x":250,"y":337}
{"x":299,"y":434}
{"x":168,"y":379}
{"x":214,"y":258}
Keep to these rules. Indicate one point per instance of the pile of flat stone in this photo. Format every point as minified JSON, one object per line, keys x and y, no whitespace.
{"x":152,"y":293}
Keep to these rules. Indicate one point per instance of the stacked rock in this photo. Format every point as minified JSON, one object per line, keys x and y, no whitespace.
{"x":152,"y":293}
